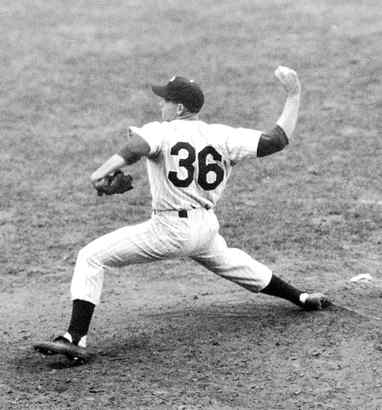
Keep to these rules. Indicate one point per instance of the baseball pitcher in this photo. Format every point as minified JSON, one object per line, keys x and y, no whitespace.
{"x":188,"y":163}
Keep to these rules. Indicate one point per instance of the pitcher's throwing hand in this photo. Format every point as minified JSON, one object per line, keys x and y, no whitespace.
{"x":289,"y":79}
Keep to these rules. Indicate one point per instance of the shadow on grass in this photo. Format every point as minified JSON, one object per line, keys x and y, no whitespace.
{"x":205,"y":333}
{"x":209,"y":327}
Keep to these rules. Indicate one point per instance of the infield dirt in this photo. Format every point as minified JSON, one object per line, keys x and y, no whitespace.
{"x":171,"y":335}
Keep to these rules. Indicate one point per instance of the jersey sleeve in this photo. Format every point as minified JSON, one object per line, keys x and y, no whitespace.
{"x":242,"y":143}
{"x":153,"y":133}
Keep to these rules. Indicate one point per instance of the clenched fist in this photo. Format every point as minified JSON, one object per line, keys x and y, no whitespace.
{"x":289,"y":79}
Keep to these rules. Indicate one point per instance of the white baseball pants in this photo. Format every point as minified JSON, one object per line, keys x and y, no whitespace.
{"x":165,"y":235}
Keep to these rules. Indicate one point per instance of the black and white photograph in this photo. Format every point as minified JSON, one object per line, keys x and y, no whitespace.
{"x":191,"y":205}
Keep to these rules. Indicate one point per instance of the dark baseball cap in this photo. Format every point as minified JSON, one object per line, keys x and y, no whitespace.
{"x":183,"y":91}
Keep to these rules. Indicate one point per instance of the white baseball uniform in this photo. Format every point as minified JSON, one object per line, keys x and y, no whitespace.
{"x":188,"y":167}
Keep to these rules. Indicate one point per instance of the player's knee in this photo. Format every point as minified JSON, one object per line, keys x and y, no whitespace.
{"x":82,"y":254}
{"x":89,"y":256}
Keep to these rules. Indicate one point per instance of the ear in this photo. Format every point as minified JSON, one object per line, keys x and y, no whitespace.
{"x":180,"y":109}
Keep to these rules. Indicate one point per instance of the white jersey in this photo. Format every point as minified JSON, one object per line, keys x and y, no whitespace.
{"x":189,"y":164}
{"x":190,"y":161}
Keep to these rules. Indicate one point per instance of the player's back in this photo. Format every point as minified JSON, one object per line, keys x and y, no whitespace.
{"x":190,"y":160}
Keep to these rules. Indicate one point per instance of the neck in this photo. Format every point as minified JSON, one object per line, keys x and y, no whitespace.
{"x":188,"y":116}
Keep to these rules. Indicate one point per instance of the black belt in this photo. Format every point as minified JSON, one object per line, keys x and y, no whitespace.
{"x":182,"y":213}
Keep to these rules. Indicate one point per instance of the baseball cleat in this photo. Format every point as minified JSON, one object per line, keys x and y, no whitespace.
{"x":61,"y":345}
{"x":316,"y":301}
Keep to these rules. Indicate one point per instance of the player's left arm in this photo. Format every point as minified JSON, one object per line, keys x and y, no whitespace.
{"x":135,"y":148}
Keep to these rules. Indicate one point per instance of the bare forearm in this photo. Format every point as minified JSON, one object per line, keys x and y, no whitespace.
{"x":132,"y":152}
{"x":288,"y":118}
{"x":289,"y":115}
{"x":112,"y":164}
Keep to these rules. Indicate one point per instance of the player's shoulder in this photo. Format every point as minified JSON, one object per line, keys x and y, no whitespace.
{"x":198,"y":123}
{"x":219,"y":131}
{"x":155,"y":124}
{"x":220,"y":127}
{"x":186,"y":122}
{"x":159,"y":129}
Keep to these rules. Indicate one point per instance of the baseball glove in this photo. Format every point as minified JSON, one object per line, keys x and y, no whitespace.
{"x":116,"y":183}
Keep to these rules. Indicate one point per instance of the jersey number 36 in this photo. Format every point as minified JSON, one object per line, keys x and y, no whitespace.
{"x":203,"y":167}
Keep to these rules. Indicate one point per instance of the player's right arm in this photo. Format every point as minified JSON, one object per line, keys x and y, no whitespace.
{"x":289,"y":115}
{"x":243,"y":142}
{"x":278,"y":138}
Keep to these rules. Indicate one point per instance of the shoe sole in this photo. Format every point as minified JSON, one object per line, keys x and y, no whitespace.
{"x":69,"y":350}
{"x":322,"y":304}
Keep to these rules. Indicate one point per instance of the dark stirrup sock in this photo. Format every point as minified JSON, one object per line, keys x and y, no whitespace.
{"x":82,"y":313}
{"x":278,"y":287}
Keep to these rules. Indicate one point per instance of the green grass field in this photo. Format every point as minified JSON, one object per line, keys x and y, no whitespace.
{"x":73,"y":74}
